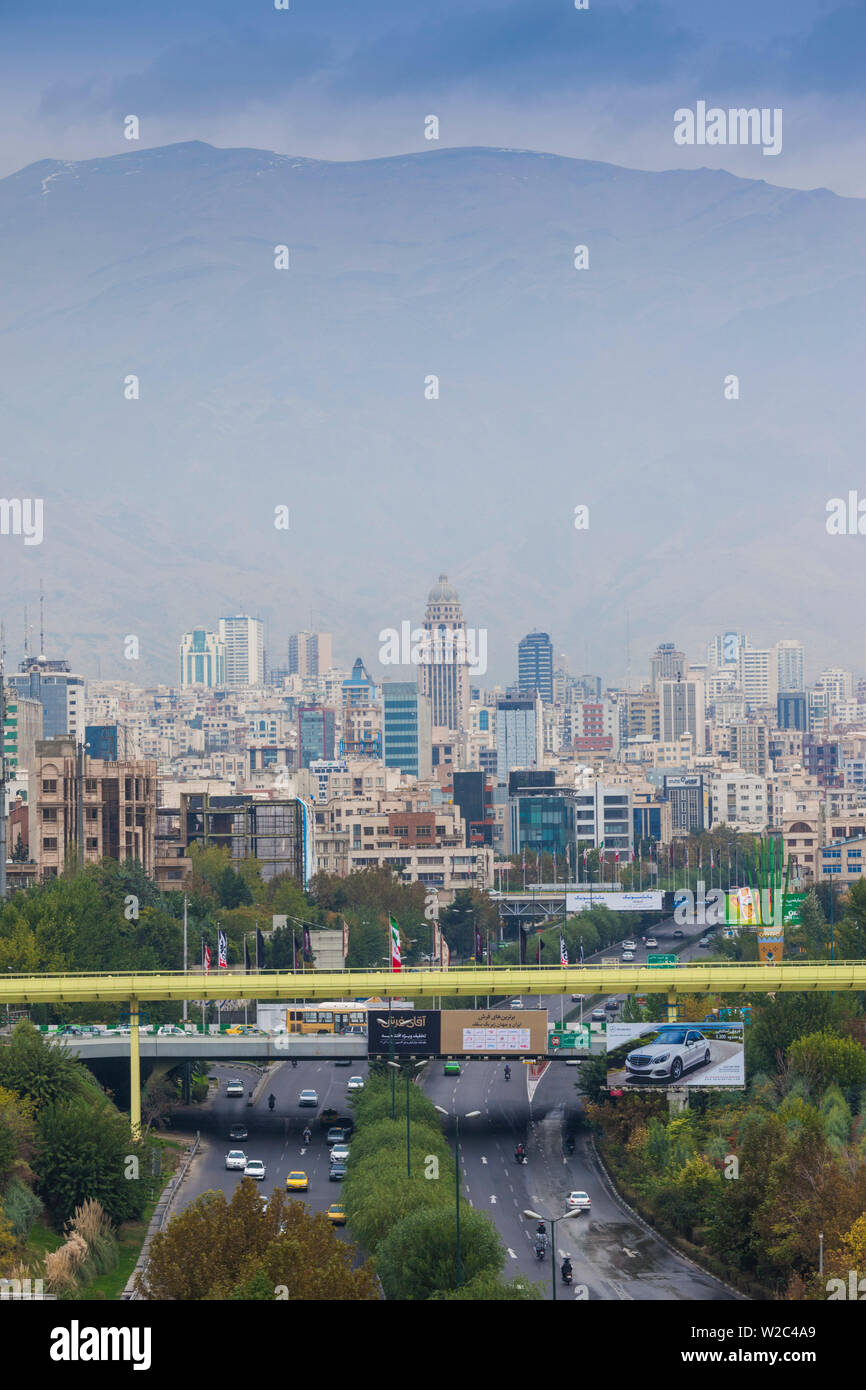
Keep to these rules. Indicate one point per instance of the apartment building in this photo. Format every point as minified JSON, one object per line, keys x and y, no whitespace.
{"x":739,"y":800}
{"x":89,"y":809}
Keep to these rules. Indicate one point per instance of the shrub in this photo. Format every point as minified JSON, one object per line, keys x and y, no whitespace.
{"x":21,"y":1207}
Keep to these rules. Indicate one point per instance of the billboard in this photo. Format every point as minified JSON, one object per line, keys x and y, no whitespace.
{"x":657,"y":1056}
{"x":403,"y":1032}
{"x":496,"y":1031}
{"x":648,"y":901}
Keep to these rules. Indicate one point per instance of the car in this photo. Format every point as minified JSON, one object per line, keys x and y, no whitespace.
{"x":336,"y":1135}
{"x":650,"y":941}
{"x":336,"y":1213}
{"x":297,"y":1182}
{"x":675,"y":1049}
{"x":355,"y":1083}
{"x":340,"y":1153}
{"x":343,"y":1062}
{"x":328,"y":1116}
{"x":679,"y":933}
{"x":254,"y":1169}
{"x":578,"y":1201}
{"x":629,"y":946}
{"x":611,"y":1006}
{"x":516,"y":1004}
{"x":71,"y":1030}
{"x":704,"y":943}
{"x":451,"y":1068}
{"x":598,"y":1016}
{"x":239,"y":1132}
{"x":337,"y":1172}
{"x":628,"y":955}
{"x":123,"y":1030}
{"x":230,"y":1032}
{"x":169,"y":1030}
{"x":236,"y":1158}
{"x":235,"y":1088}
{"x":355,"y":1030}
{"x":308,"y":1097}
{"x":576,"y":998}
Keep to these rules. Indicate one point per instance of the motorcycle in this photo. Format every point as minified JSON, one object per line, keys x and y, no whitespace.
{"x":519,"y":1156}
{"x":566,"y":1276}
{"x":507,"y":1073}
{"x":272,"y":1100}
{"x":569,"y":1145}
{"x":540,"y":1250}
{"x":308,"y":1135}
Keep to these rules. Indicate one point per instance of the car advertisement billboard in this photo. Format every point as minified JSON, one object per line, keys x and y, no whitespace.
{"x":494,"y":1031}
{"x":656,"y":1056}
{"x":403,"y":1032}
{"x":648,"y":901}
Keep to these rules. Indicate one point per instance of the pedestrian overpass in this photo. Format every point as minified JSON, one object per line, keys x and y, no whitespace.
{"x":497,"y":983}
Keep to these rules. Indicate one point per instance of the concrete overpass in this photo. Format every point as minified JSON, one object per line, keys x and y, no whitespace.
{"x":502,"y":982}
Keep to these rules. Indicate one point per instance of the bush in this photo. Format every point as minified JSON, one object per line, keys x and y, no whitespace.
{"x":91,"y":1223}
{"x":419,"y":1255}
{"x":21,"y":1207}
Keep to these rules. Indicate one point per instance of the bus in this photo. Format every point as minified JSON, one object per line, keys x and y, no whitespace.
{"x":336,"y":1016}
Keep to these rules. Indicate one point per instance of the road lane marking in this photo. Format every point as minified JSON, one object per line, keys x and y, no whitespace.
{"x":511,"y":1254}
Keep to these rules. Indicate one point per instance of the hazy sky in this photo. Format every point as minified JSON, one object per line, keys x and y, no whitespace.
{"x":346,"y":80}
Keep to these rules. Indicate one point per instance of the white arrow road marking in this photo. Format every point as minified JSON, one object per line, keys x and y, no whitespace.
{"x":483,"y":1159}
{"x":511,"y":1254}
{"x":632,"y":1254}
{"x":493,"y":1200}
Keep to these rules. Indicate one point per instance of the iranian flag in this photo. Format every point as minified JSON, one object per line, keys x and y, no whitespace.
{"x":395,"y":945}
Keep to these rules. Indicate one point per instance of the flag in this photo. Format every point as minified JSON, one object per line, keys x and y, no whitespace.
{"x":446,"y":952}
{"x":522,"y":939}
{"x":308,"y":950}
{"x":246,"y":955}
{"x":297,"y":959}
{"x":479,"y":946}
{"x":260,"y":950}
{"x":395,"y":944}
{"x":345,"y":939}
{"x":585,"y":853}
{"x":616,"y":857}
{"x":581,"y":953}
{"x":563,"y":954}
{"x":539,"y":950}
{"x":222,"y":957}
{"x":205,"y":956}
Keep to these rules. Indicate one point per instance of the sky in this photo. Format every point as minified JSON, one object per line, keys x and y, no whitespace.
{"x":338,"y":79}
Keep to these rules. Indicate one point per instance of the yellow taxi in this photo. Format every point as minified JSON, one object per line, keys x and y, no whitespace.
{"x":337,"y":1213}
{"x":297,"y":1182}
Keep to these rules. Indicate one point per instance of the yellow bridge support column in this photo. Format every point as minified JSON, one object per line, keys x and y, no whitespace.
{"x":134,"y":1071}
{"x":672,"y":1006}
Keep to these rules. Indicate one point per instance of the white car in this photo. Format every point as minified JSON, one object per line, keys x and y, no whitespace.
{"x":169,"y":1030}
{"x":355,"y":1083}
{"x":309,"y":1097}
{"x":516,"y":1004}
{"x":236,"y":1158}
{"x":339,"y":1154}
{"x":629,"y":946}
{"x":234,"y":1087}
{"x":628,"y":955}
{"x":254,"y":1168}
{"x":675,"y":1049}
{"x":650,"y":941}
{"x":578,"y":1201}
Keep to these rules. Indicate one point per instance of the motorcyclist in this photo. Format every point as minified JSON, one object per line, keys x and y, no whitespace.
{"x":541,"y":1231}
{"x":569,"y":1143}
{"x":520,"y":1153}
{"x":566,"y":1270}
{"x":507,"y":1072}
{"x":540,"y":1246}
{"x":308,"y":1134}
{"x":272,"y":1100}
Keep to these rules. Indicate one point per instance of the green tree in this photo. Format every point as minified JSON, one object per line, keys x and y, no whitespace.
{"x":823,"y":1058}
{"x":489,"y":1287}
{"x":419,"y":1255}
{"x":38,"y":1069}
{"x":84,"y":1149}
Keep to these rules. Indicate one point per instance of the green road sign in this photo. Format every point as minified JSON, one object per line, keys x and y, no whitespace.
{"x":662,"y":960}
{"x":577,"y":1038}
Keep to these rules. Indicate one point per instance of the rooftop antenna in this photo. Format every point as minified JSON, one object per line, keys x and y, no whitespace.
{"x":628,"y":652}
{"x":26,"y":636}
{"x":41,"y":620}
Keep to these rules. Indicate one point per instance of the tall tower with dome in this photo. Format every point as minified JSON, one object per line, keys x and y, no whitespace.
{"x":444,"y":676}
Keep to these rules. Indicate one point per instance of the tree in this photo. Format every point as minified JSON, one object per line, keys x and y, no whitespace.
{"x":38,"y":1069}
{"x":823,"y":1058}
{"x":489,"y":1287}
{"x":233,"y":891}
{"x":84,"y":1149}
{"x":240,"y":1248}
{"x":779,"y":1022}
{"x":419,"y":1255}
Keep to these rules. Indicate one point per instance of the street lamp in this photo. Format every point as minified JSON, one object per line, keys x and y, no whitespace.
{"x":397,"y":1067}
{"x":470,"y":1115}
{"x":554,"y":1221}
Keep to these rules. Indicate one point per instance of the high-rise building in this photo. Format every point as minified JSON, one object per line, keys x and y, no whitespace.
{"x":359,"y":688}
{"x":310,"y":653}
{"x":519,"y":735}
{"x":682,"y":711}
{"x":202,"y":659}
{"x":243,"y":640}
{"x":749,"y":746}
{"x":407,"y":729}
{"x":316,"y":729}
{"x":791,"y":708}
{"x":535,"y":666}
{"x":723,"y":650}
{"x":790,"y":665}
{"x":60,"y":694}
{"x":89,"y":809}
{"x":759,"y":676}
{"x":444,"y":676}
{"x":666,"y":664}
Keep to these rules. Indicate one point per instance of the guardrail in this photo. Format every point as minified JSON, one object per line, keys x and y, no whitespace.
{"x":160,"y":1217}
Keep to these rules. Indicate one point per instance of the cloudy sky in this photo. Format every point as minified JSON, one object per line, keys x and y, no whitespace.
{"x":341,"y":79}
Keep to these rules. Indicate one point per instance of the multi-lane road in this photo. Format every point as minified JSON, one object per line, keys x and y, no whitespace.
{"x":613,"y":1255}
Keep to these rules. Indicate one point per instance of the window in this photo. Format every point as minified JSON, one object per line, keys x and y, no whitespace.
{"x":90,"y":786}
{"x":49,"y":787}
{"x":49,"y":813}
{"x":50,"y":842}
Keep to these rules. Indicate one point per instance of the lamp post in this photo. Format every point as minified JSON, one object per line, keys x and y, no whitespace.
{"x":470,"y":1115}
{"x":408,"y":1074}
{"x":554,"y":1221}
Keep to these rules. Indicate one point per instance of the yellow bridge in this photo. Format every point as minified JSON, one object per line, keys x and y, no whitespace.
{"x":466,"y":981}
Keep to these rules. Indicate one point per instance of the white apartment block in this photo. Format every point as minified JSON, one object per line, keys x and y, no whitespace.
{"x":739,"y":800}
{"x":682,"y":709}
{"x":243,"y":639}
{"x":790,"y":665}
{"x":759,"y":676}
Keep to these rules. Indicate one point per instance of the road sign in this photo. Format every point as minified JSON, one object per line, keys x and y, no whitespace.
{"x":660,"y":961}
{"x":577,"y":1037}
